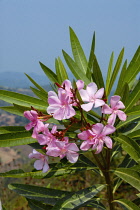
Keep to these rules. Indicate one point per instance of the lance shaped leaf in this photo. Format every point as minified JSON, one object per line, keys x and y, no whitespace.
{"x":11,"y":129}
{"x":127,"y":204}
{"x":76,"y":71}
{"x":130,"y":176}
{"x":37,"y":85}
{"x":109,"y":72}
{"x":60,"y":71}
{"x":22,"y":100}
{"x":36,"y":205}
{"x":91,"y":57}
{"x":49,"y":73}
{"x":16,"y":138}
{"x":40,"y":94}
{"x":130,"y":146}
{"x":129,"y":119}
{"x":78,"y":53}
{"x":77,"y":199}
{"x":46,"y":195}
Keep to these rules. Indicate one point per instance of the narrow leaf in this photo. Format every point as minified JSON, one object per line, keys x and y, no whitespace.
{"x":130,"y":176}
{"x":16,"y":138}
{"x":36,"y":205}
{"x":78,"y":53}
{"x":22,"y":100}
{"x":130,"y":146}
{"x":130,"y":119}
{"x":11,"y":129}
{"x":109,"y":72}
{"x":37,"y":85}
{"x":40,"y":94}
{"x":134,"y":134}
{"x":49,"y":73}
{"x":127,"y":204}
{"x":77,"y":72}
{"x":46,"y":195}
{"x":135,"y":110}
{"x":91,"y":58}
{"x":77,"y":199}
{"x":116,"y":70}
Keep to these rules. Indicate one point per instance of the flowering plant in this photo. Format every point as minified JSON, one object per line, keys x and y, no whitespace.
{"x":76,"y":118}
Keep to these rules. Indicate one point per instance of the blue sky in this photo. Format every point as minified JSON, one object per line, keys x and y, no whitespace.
{"x":37,"y":30}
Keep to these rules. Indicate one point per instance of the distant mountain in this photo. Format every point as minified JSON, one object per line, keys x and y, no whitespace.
{"x":19,"y":79}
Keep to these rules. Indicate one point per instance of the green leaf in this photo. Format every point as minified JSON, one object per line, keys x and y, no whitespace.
{"x":46,"y":195}
{"x":97,"y":73}
{"x":40,"y":94}
{"x":91,"y":58}
{"x":133,"y":68}
{"x":130,"y":119}
{"x":77,"y":72}
{"x":134,"y":134}
{"x":60,"y":71}
{"x":133,"y":97}
{"x":121,"y":82}
{"x":11,"y":129}
{"x":36,"y":205}
{"x":125,"y":93}
{"x":77,"y":199}
{"x":95,"y":204}
{"x":130,"y":176}
{"x":127,"y":204}
{"x":109,"y":72}
{"x":78,"y":53}
{"x":16,"y":138}
{"x":49,"y":73}
{"x":13,"y":110}
{"x":135,"y":110}
{"x":130,"y":146}
{"x":22,"y":100}
{"x":37,"y":85}
{"x":116,"y":70}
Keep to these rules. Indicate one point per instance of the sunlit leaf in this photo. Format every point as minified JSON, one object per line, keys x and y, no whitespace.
{"x":127,"y":204}
{"x":49,"y":73}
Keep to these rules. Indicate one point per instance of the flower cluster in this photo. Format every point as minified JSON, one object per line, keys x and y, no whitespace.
{"x":63,"y":106}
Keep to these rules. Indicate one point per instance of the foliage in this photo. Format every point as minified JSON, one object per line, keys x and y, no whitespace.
{"x":125,"y":138}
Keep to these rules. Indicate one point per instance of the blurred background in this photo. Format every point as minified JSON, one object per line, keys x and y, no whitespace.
{"x":33,"y":31}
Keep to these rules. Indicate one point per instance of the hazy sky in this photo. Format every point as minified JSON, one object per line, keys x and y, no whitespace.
{"x":37,"y":30}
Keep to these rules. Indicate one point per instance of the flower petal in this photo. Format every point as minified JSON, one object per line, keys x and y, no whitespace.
{"x":99,"y":147}
{"x":122,"y":116}
{"x":84,"y":95}
{"x":91,"y":89}
{"x":120,"y":105}
{"x":114,"y":100}
{"x":108,"y":129}
{"x":97,"y":128}
{"x":45,"y":167}
{"x":111,"y":119}
{"x":87,"y":107}
{"x":108,"y":142}
{"x":38,"y":164}
{"x":80,"y":84}
{"x":99,"y":93}
{"x":85,"y":146}
{"x":106,"y":109}
{"x":98,"y":103}
{"x":72,"y":156}
{"x":73,"y":147}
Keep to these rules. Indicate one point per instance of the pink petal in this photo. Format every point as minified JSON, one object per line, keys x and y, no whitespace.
{"x":114,"y":100}
{"x":106,"y":109}
{"x":99,"y":93}
{"x":52,"y":108}
{"x":84,"y":95}
{"x":108,"y":142}
{"x":80,"y":84}
{"x":29,"y":126}
{"x":52,"y":93}
{"x":67,"y":84}
{"x":91,"y":89}
{"x":87,"y":107}
{"x":72,"y":157}
{"x":53,"y":151}
{"x":38,"y":164}
{"x":45,"y":167}
{"x":85,"y":146}
{"x":73,"y":147}
{"x":97,"y":128}
{"x":53,"y":100}
{"x":120,"y":105}
{"x":99,"y":147}
{"x":83,"y":135}
{"x":42,"y":139}
{"x":108,"y":129}
{"x":98,"y":103}
{"x":122,"y":116}
{"x":111,"y":119}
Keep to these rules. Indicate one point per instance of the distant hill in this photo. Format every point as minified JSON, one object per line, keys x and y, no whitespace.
{"x":19,"y":79}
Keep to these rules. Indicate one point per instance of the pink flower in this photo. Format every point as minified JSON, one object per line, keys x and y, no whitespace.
{"x":47,"y":137}
{"x":92,"y":95}
{"x":35,"y":122}
{"x":42,"y":163}
{"x":60,"y":106}
{"x":115,"y":104}
{"x":67,"y":86}
{"x":96,"y":137}
{"x":63,"y":148}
